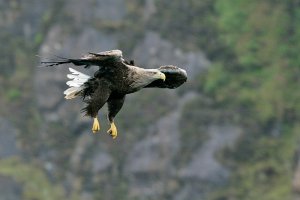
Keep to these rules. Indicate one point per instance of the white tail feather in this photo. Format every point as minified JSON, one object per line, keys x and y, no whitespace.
{"x":76,"y":83}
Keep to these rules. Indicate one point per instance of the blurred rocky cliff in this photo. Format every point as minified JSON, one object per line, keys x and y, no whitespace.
{"x":172,"y":144}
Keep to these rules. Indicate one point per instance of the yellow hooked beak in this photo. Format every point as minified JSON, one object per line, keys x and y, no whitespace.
{"x":162,"y":76}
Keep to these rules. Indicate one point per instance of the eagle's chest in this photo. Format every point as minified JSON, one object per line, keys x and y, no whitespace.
{"x":138,"y":82}
{"x":127,"y":80}
{"x":121,"y":82}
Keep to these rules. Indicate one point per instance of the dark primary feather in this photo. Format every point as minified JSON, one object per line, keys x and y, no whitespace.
{"x":98,"y":59}
{"x":174,"y":77}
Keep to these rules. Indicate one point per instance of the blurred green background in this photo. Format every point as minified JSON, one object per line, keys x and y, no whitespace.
{"x":230,"y":133}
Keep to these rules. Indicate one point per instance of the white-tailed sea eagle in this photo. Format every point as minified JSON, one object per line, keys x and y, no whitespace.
{"x":113,"y":81}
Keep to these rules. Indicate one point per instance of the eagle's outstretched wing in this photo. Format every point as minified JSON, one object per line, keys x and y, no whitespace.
{"x":175,"y":77}
{"x":98,"y":59}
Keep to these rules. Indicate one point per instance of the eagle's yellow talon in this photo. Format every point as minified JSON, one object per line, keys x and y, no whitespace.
{"x":113,"y":132}
{"x":96,"y":125}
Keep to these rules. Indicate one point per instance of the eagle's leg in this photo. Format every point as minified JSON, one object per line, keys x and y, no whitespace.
{"x":115,"y":104}
{"x":113,"y":131}
{"x":96,"y":125}
{"x":96,"y":102}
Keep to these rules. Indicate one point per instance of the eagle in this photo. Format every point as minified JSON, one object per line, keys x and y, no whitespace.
{"x":114,"y":79}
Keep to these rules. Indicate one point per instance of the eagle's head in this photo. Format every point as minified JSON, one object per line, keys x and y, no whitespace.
{"x":154,"y":74}
{"x":143,"y":77}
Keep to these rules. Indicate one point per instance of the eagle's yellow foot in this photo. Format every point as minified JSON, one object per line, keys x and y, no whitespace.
{"x":113,"y":132}
{"x":96,"y":125}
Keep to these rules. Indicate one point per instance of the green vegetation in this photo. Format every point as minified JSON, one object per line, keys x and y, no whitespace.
{"x":262,"y":74}
{"x":35,"y":183}
{"x":261,"y":86}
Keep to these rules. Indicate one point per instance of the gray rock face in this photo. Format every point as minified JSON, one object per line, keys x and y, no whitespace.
{"x":155,"y":152}
{"x":150,"y":162}
{"x":51,"y":79}
{"x":149,"y":10}
{"x":23,"y":18}
{"x":102,"y":161}
{"x":204,"y":165}
{"x":155,"y":51}
{"x":80,"y":148}
{"x":153,"y":156}
{"x":34,"y":11}
{"x":8,"y":139}
{"x":95,"y":10}
{"x":113,"y":10}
